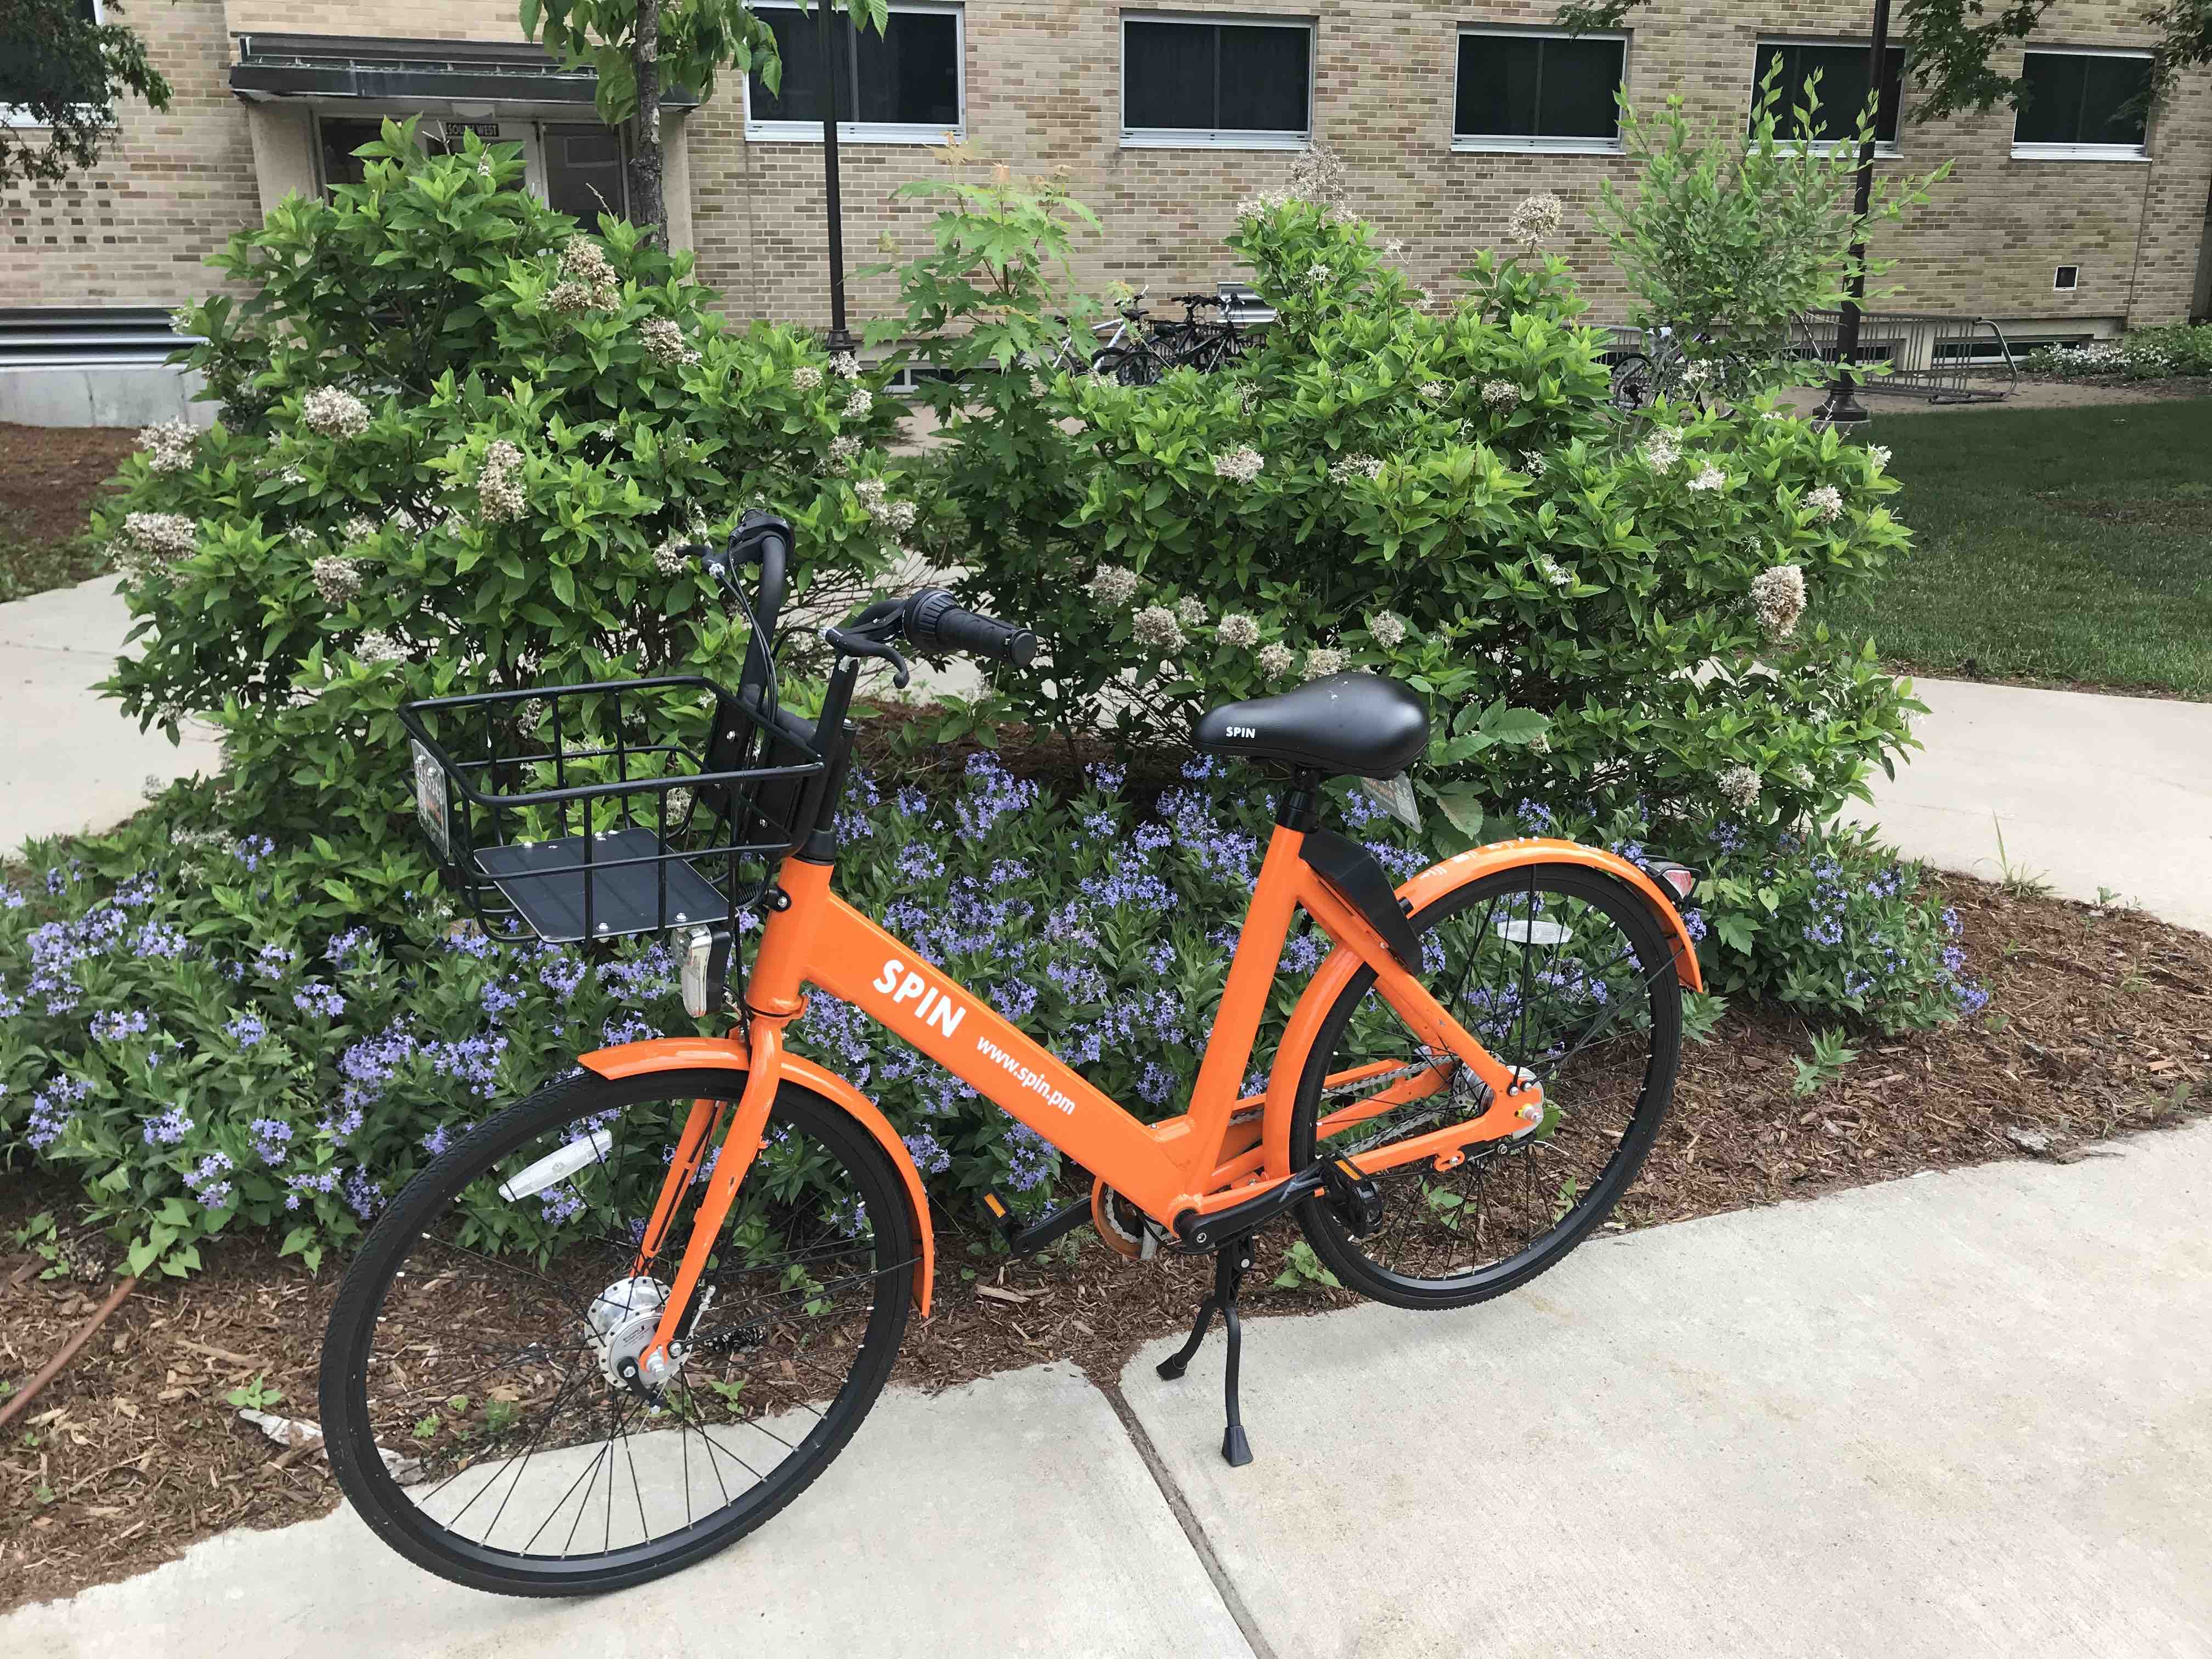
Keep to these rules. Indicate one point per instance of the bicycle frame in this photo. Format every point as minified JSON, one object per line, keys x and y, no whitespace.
{"x":1221,"y":1152}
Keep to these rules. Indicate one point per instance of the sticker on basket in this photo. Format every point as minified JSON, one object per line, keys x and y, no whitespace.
{"x":430,"y":799}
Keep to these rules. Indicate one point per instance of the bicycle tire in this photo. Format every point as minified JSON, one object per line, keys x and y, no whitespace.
{"x":1127,"y":367}
{"x":351,"y":1348}
{"x":1408,"y":1186}
{"x":1635,"y":384}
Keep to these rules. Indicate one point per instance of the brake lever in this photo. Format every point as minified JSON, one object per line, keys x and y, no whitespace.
{"x":859,"y":645}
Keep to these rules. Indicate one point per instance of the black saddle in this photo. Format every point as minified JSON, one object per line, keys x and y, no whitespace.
{"x":1346,"y":724}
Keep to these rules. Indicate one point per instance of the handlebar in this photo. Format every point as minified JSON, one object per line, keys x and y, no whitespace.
{"x":935,"y":625}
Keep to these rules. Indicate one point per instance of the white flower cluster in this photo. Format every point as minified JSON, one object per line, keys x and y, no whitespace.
{"x":1322,"y":661}
{"x":806,"y":377}
{"x":1190,"y":611}
{"x":357,"y":530}
{"x":1354,"y":466}
{"x":587,"y":282}
{"x":163,"y":536}
{"x":1386,"y":629}
{"x":1699,"y":374}
{"x":1114,"y":585}
{"x":664,"y":340}
{"x":842,"y":449}
{"x":337,"y":578}
{"x":845,"y":366}
{"x":1317,"y":274}
{"x":378,"y":647}
{"x":669,"y":559}
{"x":1532,"y":463}
{"x":1662,"y":450}
{"x":1435,"y":390}
{"x":1826,"y":501}
{"x":1238,"y":629}
{"x":1536,"y":220}
{"x":1552,"y":571}
{"x":897,"y":517}
{"x":1156,"y":626}
{"x":1879,"y":454}
{"x":1239,"y":465}
{"x":498,"y":492}
{"x":333,"y":413}
{"x":1777,"y":593}
{"x":1710,"y":477}
{"x":170,"y":445}
{"x":857,"y":405}
{"x":1500,"y":394}
{"x":1275,"y":660}
{"x":1739,"y":787}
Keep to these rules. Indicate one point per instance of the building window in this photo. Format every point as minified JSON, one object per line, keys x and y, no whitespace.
{"x":584,"y":172}
{"x":1842,"y":88}
{"x":2083,"y":105}
{"x":1243,"y":82}
{"x":19,"y":115}
{"x":338,"y":139}
{"x":905,"y":86}
{"x":1535,"y":89}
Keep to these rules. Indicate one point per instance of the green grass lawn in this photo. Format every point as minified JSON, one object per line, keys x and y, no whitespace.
{"x":2051,"y":545}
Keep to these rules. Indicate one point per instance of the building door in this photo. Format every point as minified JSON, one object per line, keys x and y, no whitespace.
{"x":584,"y":172}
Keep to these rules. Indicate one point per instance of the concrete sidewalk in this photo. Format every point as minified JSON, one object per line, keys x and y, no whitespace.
{"x":70,"y":761}
{"x":2088,"y":791}
{"x":1968,"y":1413}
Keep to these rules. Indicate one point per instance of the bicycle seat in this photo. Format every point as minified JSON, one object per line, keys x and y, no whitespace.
{"x":1341,"y":725}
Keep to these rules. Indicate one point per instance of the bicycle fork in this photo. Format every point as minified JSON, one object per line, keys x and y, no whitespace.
{"x":740,"y":1143}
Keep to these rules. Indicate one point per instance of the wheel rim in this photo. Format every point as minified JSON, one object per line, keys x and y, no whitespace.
{"x":483,"y":1360}
{"x":1564,"y":978}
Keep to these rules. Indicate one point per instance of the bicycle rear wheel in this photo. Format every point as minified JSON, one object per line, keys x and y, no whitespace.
{"x":472,"y":1394}
{"x":1561,"y":972}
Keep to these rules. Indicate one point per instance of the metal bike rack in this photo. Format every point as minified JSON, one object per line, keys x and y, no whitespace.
{"x":1944,"y":360}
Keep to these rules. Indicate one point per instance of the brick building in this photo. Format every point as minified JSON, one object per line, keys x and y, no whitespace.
{"x":2068,"y":219}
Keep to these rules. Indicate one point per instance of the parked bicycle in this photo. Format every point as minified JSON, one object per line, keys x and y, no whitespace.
{"x":1194,"y":342}
{"x":627,"y":1320}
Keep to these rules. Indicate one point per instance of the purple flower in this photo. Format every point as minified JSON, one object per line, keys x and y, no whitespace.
{"x":633,"y":1029}
{"x":245,"y":1031}
{"x":498,"y":1001}
{"x":113,"y":1028}
{"x":348,"y":944}
{"x":167,"y":1130}
{"x":362,"y":1194}
{"x":1972,"y":998}
{"x":53,"y":1108}
{"x":1951,"y":924}
{"x":157,"y":939}
{"x":1693,"y":924}
{"x":1030,"y":1158}
{"x":436,"y":1141}
{"x":929,"y":1158}
{"x":325,"y":1181}
{"x":9,"y":898}
{"x":561,"y":1204}
{"x":272,"y":962}
{"x":993,"y":792}
{"x":560,"y":973}
{"x":251,"y":851}
{"x":316,"y":997}
{"x":272,"y":1139}
{"x":918,"y":861}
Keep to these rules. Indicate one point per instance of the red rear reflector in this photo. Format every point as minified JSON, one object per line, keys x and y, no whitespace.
{"x":1680,"y":880}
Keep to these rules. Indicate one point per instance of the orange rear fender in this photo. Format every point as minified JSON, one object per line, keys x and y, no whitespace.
{"x":1331,"y":978}
{"x":683,"y":1053}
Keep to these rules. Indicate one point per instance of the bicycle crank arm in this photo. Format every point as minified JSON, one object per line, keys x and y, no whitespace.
{"x":1199,"y":1230}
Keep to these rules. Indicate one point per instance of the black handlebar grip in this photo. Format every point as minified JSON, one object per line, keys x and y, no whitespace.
{"x":936,"y":626}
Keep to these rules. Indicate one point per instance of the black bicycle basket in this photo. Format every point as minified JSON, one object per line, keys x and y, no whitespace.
{"x":630,"y":806}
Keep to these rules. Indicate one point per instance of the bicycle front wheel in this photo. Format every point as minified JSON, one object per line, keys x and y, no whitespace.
{"x":1563,"y":973}
{"x":474,"y":1395}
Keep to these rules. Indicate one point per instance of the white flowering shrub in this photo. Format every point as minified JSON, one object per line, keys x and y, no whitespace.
{"x":2141,"y":353}
{"x":1595,"y":612}
{"x":458,"y":442}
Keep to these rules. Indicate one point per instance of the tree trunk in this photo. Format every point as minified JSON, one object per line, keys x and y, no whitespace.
{"x":648,"y":205}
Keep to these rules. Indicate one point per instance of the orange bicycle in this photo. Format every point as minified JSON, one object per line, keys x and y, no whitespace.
{"x":625,"y":1321}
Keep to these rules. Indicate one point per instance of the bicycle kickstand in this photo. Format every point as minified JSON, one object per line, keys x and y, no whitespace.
{"x":1231,"y":1263}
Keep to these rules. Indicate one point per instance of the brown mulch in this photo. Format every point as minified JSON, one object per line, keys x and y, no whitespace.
{"x":2099,"y":1023}
{"x":50,"y":475}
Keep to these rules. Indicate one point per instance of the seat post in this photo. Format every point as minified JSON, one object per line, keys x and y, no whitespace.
{"x":1299,"y":807}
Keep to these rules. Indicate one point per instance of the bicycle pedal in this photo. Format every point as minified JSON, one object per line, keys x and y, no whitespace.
{"x":1008,"y":1224}
{"x":1354,"y":1196}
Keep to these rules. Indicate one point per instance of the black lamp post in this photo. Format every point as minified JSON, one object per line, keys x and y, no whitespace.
{"x":840,"y":337}
{"x":1843,"y":406}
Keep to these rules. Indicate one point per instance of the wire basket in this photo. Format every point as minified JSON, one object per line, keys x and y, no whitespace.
{"x":593,"y":812}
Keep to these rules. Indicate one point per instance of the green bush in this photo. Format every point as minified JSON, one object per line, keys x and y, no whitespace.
{"x":459,"y":443}
{"x":1595,"y":611}
{"x":211,"y":1031}
{"x":2140,"y":353}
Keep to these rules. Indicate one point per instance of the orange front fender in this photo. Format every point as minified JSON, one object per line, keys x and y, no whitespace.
{"x":684,"y":1053}
{"x":1330,"y":979}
